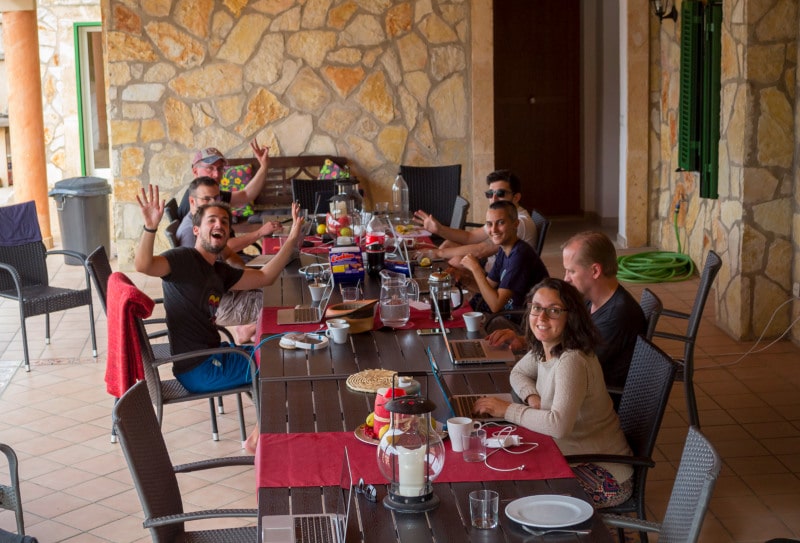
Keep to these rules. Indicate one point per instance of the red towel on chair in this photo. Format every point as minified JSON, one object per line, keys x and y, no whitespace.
{"x":124,"y":364}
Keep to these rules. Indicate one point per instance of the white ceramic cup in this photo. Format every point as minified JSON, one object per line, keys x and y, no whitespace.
{"x":317,"y":289}
{"x":473,"y":320}
{"x":457,"y":428}
{"x":338,"y":329}
{"x":475,"y":446}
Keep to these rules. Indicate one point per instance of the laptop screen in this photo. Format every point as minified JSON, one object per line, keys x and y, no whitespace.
{"x":439,"y":381}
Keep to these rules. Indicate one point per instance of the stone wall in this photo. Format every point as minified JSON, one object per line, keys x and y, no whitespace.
{"x":754,"y":224}
{"x":377,"y":81}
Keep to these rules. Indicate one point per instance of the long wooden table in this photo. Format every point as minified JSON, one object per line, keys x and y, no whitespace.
{"x":304,"y":391}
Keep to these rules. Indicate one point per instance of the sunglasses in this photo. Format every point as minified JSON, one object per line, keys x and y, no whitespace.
{"x":500,"y":193}
{"x":369,"y":492}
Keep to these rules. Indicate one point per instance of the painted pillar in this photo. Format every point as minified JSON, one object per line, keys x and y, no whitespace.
{"x":25,"y":117}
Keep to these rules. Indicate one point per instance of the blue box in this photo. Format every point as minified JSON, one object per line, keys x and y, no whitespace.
{"x":347,"y":266}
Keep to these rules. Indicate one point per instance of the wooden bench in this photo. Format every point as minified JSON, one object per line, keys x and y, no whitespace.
{"x":276,"y":196}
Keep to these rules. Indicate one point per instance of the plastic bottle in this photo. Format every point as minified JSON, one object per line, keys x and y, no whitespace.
{"x":375,"y":243}
{"x":400,"y":196}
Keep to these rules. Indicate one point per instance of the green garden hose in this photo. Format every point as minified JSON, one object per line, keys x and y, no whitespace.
{"x":657,"y":266}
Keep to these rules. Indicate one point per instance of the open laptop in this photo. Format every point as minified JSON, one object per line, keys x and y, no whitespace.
{"x":307,"y":314}
{"x":313,"y":528}
{"x":460,"y":405}
{"x":472,"y":351}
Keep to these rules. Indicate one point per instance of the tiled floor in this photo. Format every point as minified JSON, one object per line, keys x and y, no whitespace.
{"x":76,"y":486}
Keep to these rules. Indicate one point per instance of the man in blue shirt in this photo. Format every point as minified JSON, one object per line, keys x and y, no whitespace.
{"x":516,"y":268}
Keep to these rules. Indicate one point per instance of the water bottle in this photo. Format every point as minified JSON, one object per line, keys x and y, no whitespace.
{"x":400,"y":196}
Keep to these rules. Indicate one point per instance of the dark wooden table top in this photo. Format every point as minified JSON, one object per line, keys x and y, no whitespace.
{"x":304,"y":391}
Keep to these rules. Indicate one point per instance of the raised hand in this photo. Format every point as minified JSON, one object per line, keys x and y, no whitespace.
{"x":152,"y":208}
{"x":427,"y":221}
{"x":261,"y":153}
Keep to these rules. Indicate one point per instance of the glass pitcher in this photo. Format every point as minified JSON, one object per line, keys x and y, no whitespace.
{"x":397,"y":290}
{"x":441,"y":288}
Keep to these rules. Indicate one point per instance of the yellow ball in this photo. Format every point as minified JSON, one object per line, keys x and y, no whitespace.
{"x":321,"y":229}
{"x":346,"y":232}
{"x":383,"y":431}
{"x":371,"y":419}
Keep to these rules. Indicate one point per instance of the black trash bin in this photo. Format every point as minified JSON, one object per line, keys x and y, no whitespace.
{"x":83,"y":214}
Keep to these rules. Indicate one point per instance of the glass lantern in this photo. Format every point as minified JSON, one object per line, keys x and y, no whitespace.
{"x":411,"y":455}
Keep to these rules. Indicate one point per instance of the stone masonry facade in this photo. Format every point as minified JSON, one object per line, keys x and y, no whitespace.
{"x":754,"y":224}
{"x":377,"y":81}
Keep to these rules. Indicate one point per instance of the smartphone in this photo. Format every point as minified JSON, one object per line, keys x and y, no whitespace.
{"x":428,"y":331}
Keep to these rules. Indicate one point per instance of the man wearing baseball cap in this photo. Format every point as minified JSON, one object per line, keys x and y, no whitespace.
{"x":211,"y":162}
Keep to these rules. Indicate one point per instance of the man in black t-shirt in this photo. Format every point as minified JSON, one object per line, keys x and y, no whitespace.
{"x":195,"y":281}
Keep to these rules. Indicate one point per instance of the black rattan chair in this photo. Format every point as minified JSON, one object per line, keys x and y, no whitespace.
{"x":641,"y":410}
{"x":686,"y":372}
{"x":542,"y":226}
{"x":306,"y":192}
{"x":24,"y":276}
{"x":9,"y":494}
{"x":691,"y":493}
{"x":433,"y":189}
{"x":171,"y":210}
{"x":155,"y":478}
{"x":651,"y":307}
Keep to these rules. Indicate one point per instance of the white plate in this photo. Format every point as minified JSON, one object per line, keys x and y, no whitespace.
{"x":549,"y":511}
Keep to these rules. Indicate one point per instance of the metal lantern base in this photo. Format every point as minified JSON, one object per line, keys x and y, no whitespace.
{"x":415,"y":504}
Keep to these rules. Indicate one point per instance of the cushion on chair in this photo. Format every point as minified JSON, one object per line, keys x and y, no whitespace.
{"x":236,"y":178}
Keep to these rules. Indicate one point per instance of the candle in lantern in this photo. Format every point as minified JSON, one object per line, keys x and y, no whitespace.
{"x":411,"y":464}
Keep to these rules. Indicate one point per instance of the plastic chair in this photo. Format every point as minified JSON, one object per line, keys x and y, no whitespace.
{"x":24,"y":276}
{"x":641,"y":410}
{"x":691,"y":493}
{"x":686,"y":373}
{"x":433,"y":189}
{"x":542,"y":226}
{"x":155,"y":478}
{"x":651,"y":307}
{"x":9,"y":494}
{"x":171,"y":210}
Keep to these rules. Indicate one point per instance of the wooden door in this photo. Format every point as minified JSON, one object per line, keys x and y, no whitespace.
{"x":537,"y":100}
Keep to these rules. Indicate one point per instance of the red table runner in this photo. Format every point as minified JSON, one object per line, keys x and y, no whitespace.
{"x":315,"y":459}
{"x":267,"y":323}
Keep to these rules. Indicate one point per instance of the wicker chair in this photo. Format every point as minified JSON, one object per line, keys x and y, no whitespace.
{"x":171,"y":231}
{"x":306,"y":191}
{"x":9,"y":494}
{"x":686,"y":372}
{"x":171,"y":210}
{"x":24,"y":276}
{"x":691,"y":493}
{"x":155,"y":478}
{"x":641,"y":410}
{"x":542,"y":226}
{"x":651,"y":307}
{"x":433,"y":189}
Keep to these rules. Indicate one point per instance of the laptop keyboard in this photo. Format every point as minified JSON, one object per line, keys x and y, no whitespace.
{"x":313,"y":530}
{"x":464,"y":405}
{"x":469,"y":349}
{"x":306,"y":314}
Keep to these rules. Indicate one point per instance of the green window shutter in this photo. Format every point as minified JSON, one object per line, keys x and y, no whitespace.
{"x":691,"y":80}
{"x":709,"y":172}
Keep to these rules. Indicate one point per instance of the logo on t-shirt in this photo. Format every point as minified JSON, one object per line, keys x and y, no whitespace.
{"x":213,"y":305}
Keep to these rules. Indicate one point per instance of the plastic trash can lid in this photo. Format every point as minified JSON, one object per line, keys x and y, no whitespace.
{"x":81,"y":186}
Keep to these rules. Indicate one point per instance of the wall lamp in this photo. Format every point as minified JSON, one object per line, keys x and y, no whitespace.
{"x":665,"y":9}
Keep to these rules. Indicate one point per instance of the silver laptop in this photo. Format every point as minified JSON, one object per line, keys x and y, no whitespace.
{"x":262,"y":260}
{"x":472,"y":351}
{"x":460,"y":405}
{"x":319,"y":528}
{"x":307,"y":314}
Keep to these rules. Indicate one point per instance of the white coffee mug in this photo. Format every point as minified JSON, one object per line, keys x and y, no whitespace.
{"x":458,"y":428}
{"x":317,"y":289}
{"x":473,"y":320}
{"x":338,"y":329}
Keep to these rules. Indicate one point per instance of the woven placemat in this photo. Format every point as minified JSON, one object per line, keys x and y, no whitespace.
{"x":370,"y":380}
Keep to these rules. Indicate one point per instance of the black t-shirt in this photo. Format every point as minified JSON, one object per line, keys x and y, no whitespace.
{"x":192,"y":292}
{"x":619,"y":321}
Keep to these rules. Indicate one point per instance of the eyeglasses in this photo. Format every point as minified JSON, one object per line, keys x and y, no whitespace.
{"x":552,"y":312}
{"x":370,"y":492}
{"x":208,"y":199}
{"x":500,"y":193}
{"x":212,"y":167}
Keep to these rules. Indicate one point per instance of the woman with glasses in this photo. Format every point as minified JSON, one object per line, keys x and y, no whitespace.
{"x":561,"y":385}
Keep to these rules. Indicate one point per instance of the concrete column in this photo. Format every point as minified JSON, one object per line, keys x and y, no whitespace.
{"x":21,"y":42}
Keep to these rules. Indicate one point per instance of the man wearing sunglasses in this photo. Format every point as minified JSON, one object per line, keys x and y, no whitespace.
{"x":503,"y":185}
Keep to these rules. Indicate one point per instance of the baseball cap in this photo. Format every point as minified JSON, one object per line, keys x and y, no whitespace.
{"x":209,"y":155}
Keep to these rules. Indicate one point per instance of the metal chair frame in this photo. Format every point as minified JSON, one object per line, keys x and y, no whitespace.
{"x":10,"y":497}
{"x":542,"y":226}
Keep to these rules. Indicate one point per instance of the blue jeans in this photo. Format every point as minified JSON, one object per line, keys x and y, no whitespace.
{"x":221,"y":371}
